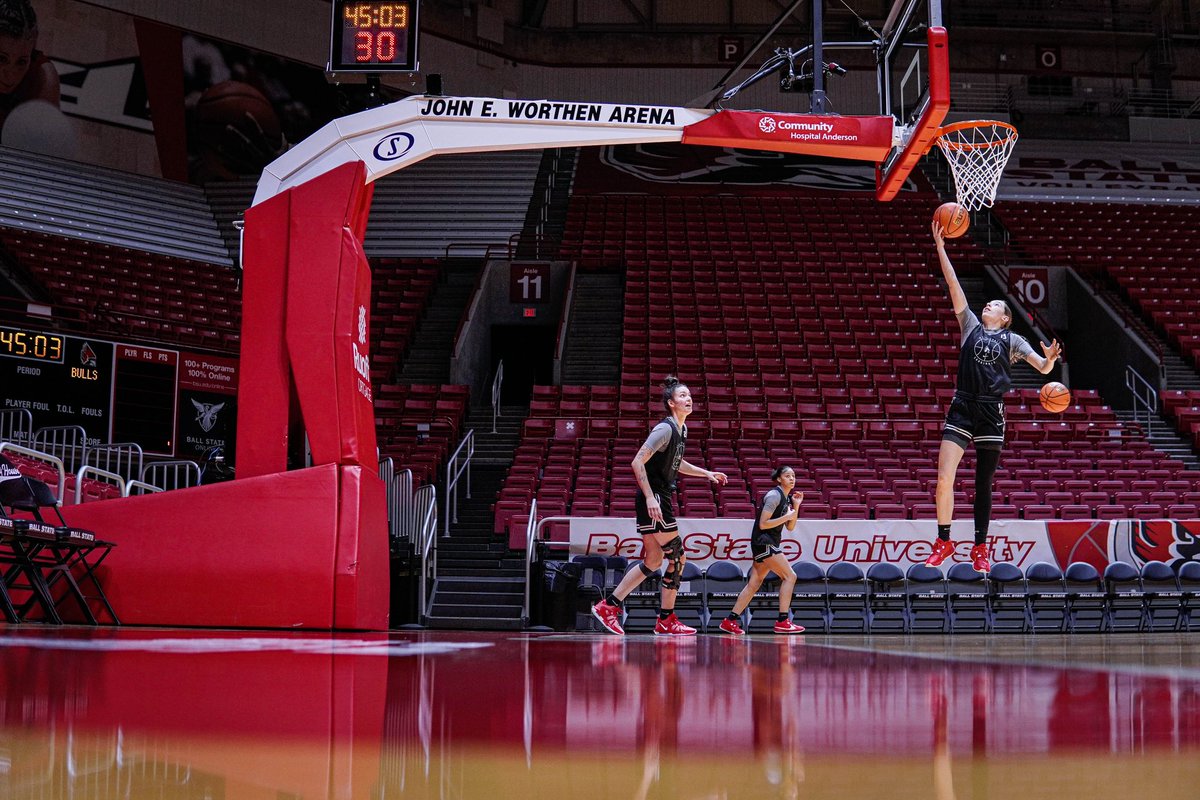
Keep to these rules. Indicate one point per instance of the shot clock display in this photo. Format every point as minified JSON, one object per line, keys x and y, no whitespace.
{"x":31,"y":345}
{"x":373,"y":36}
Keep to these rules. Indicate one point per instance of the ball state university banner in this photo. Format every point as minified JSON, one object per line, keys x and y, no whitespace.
{"x":902,"y":542}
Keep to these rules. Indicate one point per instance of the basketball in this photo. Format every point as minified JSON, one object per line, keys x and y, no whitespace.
{"x":237,"y":121}
{"x":953,"y":218}
{"x":40,"y":127}
{"x":1055,"y":397}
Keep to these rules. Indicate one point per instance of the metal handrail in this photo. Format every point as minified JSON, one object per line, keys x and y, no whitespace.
{"x":166,"y":475}
{"x":123,"y":458}
{"x":145,"y":487}
{"x":497,"y":383}
{"x":59,"y":440}
{"x":427,"y":540}
{"x":454,"y":471}
{"x":530,"y":532}
{"x":87,"y":469}
{"x":45,"y":457}
{"x":565,"y":317}
{"x":16,"y":425}
{"x":1135,"y":382}
{"x":533,"y":534}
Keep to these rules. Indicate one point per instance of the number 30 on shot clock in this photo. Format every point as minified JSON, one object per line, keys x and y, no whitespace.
{"x":373,"y":36}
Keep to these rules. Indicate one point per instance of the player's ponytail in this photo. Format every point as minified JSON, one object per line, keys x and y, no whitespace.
{"x":669,"y":385}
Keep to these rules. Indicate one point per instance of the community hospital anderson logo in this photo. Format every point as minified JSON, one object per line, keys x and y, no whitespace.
{"x":767,"y":124}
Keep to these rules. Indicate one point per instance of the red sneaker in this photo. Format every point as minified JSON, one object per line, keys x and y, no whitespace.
{"x":609,"y":616}
{"x":787,"y":626}
{"x":979,"y":558}
{"x":731,"y":627}
{"x":942,"y":549}
{"x":671,"y":626}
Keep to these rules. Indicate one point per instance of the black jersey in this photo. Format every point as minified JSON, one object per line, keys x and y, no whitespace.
{"x":985,"y":363}
{"x":663,"y":466}
{"x":781,"y":507}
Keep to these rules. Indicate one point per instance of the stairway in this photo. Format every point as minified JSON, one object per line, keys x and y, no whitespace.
{"x":428,"y":359}
{"x":480,"y":583}
{"x":593,"y":351}
{"x":1163,"y":437}
{"x":229,"y":201}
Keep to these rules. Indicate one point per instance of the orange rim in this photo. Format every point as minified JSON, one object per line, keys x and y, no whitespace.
{"x":1011,"y":134}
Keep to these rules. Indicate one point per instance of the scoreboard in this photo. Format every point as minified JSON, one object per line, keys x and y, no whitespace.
{"x":170,"y":402}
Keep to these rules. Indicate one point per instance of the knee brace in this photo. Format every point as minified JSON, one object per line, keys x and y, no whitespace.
{"x":673,"y":553}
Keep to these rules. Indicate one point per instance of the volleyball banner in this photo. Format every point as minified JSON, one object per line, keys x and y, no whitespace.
{"x":908,"y":542}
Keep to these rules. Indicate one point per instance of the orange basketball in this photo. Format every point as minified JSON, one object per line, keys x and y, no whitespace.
{"x":1055,"y":397}
{"x":953,"y":218}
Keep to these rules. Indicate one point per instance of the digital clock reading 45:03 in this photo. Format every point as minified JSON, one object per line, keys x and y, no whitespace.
{"x":373,"y":36}
{"x":31,"y":345}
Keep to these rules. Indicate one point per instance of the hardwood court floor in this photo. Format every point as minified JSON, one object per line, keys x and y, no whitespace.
{"x":250,"y":715}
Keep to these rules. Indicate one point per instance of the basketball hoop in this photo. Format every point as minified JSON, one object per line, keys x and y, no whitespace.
{"x":977,"y":152}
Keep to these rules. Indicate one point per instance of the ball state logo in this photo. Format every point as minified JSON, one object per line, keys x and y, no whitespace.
{"x":767,"y":124}
{"x":362,"y":325}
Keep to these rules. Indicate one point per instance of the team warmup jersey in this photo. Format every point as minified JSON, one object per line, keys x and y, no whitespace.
{"x":666,"y":442}
{"x":985,"y":363}
{"x":773,"y":501}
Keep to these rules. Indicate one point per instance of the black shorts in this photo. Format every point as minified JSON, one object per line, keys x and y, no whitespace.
{"x":644,"y":525}
{"x":978,"y":421}
{"x":764,"y":550}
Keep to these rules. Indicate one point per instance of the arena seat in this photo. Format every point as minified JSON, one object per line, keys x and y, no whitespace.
{"x":1087,"y":601}
{"x":926,"y":600}
{"x":847,"y":588}
{"x":1047,"y":598}
{"x":723,"y":582}
{"x":967,"y":600}
{"x":887,"y":608}
{"x":1008,"y":600}
{"x":1163,"y":599}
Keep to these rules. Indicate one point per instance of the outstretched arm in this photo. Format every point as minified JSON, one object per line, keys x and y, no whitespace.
{"x":957,"y":297}
{"x":1044,"y":364}
{"x":700,"y":472}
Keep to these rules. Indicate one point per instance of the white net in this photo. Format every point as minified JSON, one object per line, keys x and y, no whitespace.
{"x":977,"y":152}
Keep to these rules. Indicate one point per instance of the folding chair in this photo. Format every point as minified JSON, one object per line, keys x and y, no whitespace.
{"x":1086,"y":599}
{"x":1008,"y":599}
{"x":75,"y":554}
{"x":1047,"y":598}
{"x":641,"y":605}
{"x":810,"y":600}
{"x":1189,"y":587}
{"x":925,"y":592}
{"x":1125,"y":606}
{"x":590,"y":589}
{"x":887,"y":600}
{"x":723,"y":582}
{"x":967,"y":600}
{"x":1164,"y":600}
{"x":847,"y":597}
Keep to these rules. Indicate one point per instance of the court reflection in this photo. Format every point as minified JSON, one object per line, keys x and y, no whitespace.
{"x":191,"y":714}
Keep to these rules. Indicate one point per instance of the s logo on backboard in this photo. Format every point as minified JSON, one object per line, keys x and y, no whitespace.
{"x":394,"y":146}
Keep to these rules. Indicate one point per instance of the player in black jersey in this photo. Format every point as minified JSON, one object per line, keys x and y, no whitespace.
{"x":777,"y":510}
{"x":976,"y":414}
{"x":656,"y":466}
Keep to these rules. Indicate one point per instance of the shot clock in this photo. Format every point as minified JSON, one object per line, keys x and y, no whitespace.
{"x":373,"y":36}
{"x":31,"y":345}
